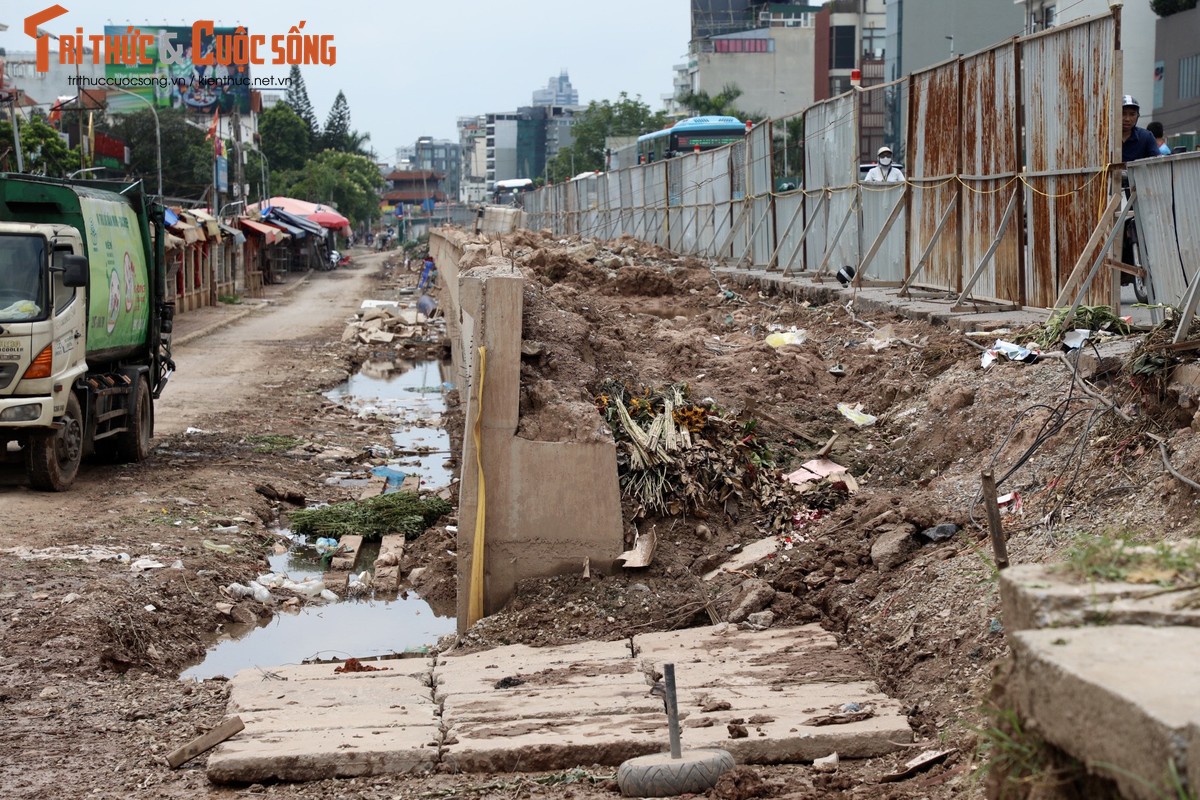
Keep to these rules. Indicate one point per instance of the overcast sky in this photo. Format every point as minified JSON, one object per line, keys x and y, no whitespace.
{"x":411,"y":68}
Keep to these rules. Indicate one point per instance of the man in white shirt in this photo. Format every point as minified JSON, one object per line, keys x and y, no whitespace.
{"x":885,"y":170}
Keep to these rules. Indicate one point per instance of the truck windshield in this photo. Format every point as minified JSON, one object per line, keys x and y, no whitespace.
{"x":22,"y":278}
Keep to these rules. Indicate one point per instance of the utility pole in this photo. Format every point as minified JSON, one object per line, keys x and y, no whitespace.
{"x":239,"y":256}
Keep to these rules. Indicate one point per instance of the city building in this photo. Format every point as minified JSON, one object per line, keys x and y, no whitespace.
{"x":767,"y":50}
{"x":519,"y":144}
{"x":472,"y":142}
{"x":558,"y":92}
{"x":443,"y":156}
{"x":1176,"y":93}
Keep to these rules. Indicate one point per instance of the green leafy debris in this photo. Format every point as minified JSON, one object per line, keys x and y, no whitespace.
{"x":398,"y":512}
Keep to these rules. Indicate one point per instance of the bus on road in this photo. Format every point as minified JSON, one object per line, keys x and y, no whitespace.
{"x":705,"y":133}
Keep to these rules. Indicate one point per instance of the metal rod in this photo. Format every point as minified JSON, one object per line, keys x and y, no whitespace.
{"x":672,"y":709}
{"x":995,"y":527}
{"x":879,"y":239}
{"x":987,"y":257}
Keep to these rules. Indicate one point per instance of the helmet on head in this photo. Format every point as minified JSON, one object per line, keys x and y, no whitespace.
{"x":1129,"y":101}
{"x":884,"y":149}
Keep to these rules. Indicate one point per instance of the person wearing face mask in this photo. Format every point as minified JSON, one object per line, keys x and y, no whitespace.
{"x":884,"y":170}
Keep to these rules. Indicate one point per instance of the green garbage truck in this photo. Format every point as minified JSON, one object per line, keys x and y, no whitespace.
{"x":85,"y":324}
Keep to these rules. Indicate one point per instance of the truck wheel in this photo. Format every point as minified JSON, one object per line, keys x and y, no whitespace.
{"x":133,"y":445}
{"x":53,"y":458}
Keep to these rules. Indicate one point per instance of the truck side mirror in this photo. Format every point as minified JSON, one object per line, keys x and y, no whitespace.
{"x":75,"y":271}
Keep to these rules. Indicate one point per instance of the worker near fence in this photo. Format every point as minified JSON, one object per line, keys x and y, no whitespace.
{"x":1136,"y":142}
{"x":884,"y":170}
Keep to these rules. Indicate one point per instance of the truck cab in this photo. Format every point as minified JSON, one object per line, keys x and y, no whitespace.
{"x":84,"y":325}
{"x":43,"y":319}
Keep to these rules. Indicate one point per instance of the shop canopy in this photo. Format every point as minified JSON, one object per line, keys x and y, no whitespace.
{"x":269,"y":234}
{"x":322,"y":215}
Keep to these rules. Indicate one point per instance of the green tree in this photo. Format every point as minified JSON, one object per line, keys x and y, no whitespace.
{"x":625,"y":117}
{"x":1165,"y":8}
{"x":297,"y":98}
{"x":336,"y":133}
{"x":187,"y":157}
{"x":42,"y":150}
{"x":722,"y":104}
{"x":347,"y":181}
{"x":284,"y":137}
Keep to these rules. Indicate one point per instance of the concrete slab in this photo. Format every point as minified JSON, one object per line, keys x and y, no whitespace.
{"x":1123,"y":699}
{"x":1037,"y":596}
{"x":308,"y":723}
{"x":587,"y":703}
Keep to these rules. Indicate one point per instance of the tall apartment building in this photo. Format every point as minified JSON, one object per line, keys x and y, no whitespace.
{"x":767,"y":50}
{"x":440,"y":155}
{"x":558,"y":92}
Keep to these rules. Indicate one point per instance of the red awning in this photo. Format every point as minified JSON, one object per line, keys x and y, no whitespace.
{"x":268,"y":232}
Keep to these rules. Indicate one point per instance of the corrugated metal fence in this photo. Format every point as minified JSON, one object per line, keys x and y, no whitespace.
{"x":1007,"y":182}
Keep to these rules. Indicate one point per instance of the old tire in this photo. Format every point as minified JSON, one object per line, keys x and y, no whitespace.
{"x":133,"y":444}
{"x":52,"y":459}
{"x":659,"y":775}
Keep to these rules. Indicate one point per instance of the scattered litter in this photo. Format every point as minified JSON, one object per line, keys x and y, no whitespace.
{"x":916,"y":764}
{"x":227,"y":549}
{"x":225,"y":529}
{"x":837,"y":371}
{"x":840,"y":718}
{"x":792,"y":336}
{"x":150,"y":607}
{"x":1073,"y":340}
{"x":194,"y":431}
{"x":1009,"y":503}
{"x":818,"y":470}
{"x":882,"y":338}
{"x":827,"y":764}
{"x":856,"y":415}
{"x":642,"y":552}
{"x":143,"y":564}
{"x":1013,"y":352}
{"x":849,"y":708}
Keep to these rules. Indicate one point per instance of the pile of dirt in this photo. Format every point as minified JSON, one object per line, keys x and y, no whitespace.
{"x":891,"y":556}
{"x":899,"y":566}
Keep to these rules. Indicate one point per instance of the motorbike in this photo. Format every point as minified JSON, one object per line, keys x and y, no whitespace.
{"x":1131,"y":254}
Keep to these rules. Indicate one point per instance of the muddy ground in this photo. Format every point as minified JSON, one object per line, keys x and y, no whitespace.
{"x":92,"y":648}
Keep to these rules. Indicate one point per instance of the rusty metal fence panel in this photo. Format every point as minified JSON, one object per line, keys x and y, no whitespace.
{"x":1024,"y":129}
{"x":629,"y":202}
{"x":932,"y":170}
{"x":1067,"y":136}
{"x":1168,"y":224}
{"x":990,"y":163}
{"x":878,"y":200}
{"x":655,"y":189}
{"x":831,"y":163}
{"x":759,"y":186}
{"x":789,"y":221}
{"x":721,"y":187}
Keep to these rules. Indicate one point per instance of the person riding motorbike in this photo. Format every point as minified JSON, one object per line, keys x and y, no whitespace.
{"x":1136,"y":143}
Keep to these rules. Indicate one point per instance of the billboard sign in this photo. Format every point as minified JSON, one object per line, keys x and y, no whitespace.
{"x":190,"y":79}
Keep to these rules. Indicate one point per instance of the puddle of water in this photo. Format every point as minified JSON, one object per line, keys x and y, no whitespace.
{"x":413,"y":394}
{"x":349,"y":628}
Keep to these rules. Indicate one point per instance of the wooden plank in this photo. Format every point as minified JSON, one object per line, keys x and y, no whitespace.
{"x":347,"y":553}
{"x":1079,"y":270}
{"x":206,"y":742}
